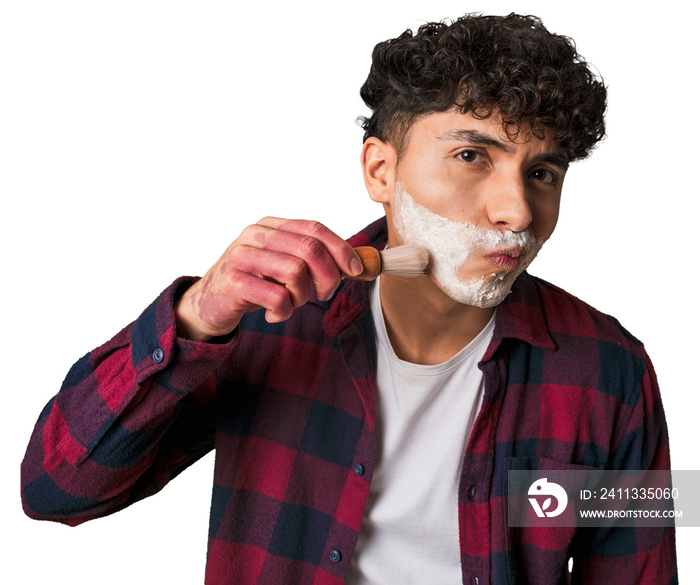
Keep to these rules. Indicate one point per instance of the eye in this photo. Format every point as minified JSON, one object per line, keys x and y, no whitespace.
{"x":470,"y":156}
{"x":544,"y":175}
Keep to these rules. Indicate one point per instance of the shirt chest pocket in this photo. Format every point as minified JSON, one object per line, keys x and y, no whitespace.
{"x":540,"y":533}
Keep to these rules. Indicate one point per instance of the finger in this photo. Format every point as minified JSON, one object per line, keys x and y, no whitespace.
{"x":325,"y":268}
{"x":260,"y":293}
{"x":289,"y":271}
{"x":342,"y":253}
{"x":322,"y":269}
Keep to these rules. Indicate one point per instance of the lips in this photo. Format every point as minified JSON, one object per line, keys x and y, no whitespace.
{"x":505,"y":259}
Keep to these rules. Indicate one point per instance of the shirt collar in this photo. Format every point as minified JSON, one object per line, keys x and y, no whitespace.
{"x":521,"y":316}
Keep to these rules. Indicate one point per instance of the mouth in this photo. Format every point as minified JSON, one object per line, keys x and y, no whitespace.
{"x":505,"y":259}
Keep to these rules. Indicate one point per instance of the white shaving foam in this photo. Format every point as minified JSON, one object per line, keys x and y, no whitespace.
{"x":450,"y":245}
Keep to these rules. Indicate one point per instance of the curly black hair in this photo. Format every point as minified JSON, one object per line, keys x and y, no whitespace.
{"x":511,"y":65}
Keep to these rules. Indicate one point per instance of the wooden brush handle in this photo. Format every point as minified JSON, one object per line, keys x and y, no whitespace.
{"x":371,"y":260}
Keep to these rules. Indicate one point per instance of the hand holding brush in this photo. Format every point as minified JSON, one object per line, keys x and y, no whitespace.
{"x":272,"y":265}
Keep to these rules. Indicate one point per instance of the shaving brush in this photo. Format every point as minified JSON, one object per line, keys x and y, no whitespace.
{"x":405,"y":260}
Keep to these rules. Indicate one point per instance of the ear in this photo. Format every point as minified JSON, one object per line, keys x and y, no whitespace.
{"x":378,"y":161}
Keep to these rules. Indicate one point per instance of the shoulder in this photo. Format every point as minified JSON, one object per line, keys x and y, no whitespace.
{"x":572,"y":344}
{"x":568,"y":316}
{"x":592,"y":349}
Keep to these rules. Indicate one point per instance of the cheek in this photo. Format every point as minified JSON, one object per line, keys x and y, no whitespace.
{"x":545,"y":215}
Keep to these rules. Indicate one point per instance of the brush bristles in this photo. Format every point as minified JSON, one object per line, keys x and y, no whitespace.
{"x":406,"y":260}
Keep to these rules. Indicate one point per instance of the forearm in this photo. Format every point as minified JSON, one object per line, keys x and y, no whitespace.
{"x":107,"y":439}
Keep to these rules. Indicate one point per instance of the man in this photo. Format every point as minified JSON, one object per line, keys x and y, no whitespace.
{"x":364,"y":432}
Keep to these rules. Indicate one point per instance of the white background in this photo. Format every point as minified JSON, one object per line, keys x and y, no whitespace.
{"x":137,"y":138}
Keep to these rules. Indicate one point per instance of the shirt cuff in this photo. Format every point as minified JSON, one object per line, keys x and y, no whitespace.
{"x":156,"y":348}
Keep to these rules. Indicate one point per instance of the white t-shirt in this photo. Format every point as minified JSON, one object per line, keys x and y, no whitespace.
{"x":425,"y":414}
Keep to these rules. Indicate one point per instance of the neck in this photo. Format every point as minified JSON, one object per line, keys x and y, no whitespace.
{"x":425,"y":326}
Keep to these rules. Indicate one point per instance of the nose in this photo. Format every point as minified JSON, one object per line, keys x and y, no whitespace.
{"x":507,"y":205}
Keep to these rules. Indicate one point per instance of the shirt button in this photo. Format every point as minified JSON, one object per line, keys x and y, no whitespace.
{"x":359,"y":469}
{"x":336,"y":556}
{"x":476,"y":580}
{"x":158,"y":355}
{"x":471,"y":493}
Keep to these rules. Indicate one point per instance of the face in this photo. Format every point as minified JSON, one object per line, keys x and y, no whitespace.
{"x":481,"y":204}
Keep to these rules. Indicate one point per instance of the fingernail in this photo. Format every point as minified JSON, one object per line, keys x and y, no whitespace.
{"x":356,"y":266}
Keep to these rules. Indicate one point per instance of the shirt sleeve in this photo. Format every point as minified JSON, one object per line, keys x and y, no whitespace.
{"x":129,"y":417}
{"x":633,"y":555}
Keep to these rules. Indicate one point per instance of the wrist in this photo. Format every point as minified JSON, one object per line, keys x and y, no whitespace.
{"x":187,"y":322}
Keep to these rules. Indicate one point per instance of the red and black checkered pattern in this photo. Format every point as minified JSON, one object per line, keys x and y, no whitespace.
{"x":289,"y":408}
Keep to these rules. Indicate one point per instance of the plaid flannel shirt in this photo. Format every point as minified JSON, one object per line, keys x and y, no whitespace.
{"x":290,"y":410}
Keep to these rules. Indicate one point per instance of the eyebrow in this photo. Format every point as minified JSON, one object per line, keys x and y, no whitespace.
{"x":553,"y":158}
{"x":481,"y":139}
{"x":475,"y":137}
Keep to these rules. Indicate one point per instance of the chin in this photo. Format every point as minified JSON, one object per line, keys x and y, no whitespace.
{"x":483,"y":292}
